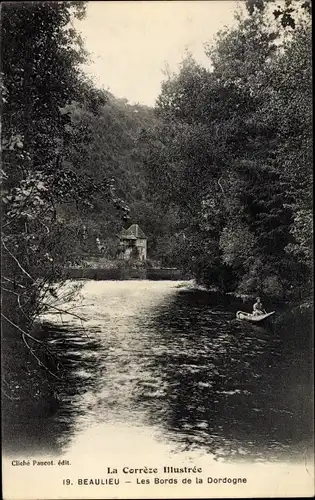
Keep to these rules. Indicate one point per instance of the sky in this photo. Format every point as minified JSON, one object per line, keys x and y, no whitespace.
{"x":130,"y":42}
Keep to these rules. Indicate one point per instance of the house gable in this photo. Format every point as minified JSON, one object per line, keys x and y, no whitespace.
{"x":133,"y":237}
{"x":136,"y":230}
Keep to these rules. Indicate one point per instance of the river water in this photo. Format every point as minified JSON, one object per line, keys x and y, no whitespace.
{"x":159,"y":366}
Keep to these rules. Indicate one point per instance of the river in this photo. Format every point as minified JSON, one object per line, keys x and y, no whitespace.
{"x":157,"y":365}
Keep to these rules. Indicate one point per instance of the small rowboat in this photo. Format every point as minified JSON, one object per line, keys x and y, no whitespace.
{"x":253,"y":318}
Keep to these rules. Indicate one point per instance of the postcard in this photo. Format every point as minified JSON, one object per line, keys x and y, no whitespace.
{"x":156,"y":250}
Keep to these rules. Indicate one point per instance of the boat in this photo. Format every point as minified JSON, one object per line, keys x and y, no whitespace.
{"x":253,"y":318}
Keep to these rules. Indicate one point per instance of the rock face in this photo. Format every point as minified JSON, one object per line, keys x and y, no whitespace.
{"x":133,"y":243}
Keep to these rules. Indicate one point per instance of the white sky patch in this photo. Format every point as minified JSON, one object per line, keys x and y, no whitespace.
{"x":131,"y":42}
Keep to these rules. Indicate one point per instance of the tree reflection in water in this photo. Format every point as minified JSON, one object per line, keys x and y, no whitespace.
{"x":158,"y":358}
{"x":236,"y":390}
{"x":45,"y":424}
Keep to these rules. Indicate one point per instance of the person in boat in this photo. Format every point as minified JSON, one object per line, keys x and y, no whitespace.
{"x":258,"y":308}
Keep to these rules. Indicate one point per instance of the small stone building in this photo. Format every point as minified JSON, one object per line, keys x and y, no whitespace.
{"x":133,"y":243}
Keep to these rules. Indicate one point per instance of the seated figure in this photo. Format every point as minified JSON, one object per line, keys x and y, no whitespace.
{"x":258,"y":307}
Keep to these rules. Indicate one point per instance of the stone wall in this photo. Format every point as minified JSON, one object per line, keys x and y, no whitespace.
{"x":125,"y":274}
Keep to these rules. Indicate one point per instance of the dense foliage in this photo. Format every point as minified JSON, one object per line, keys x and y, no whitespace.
{"x":218,"y":175}
{"x":234,"y":155}
{"x":112,"y":149}
{"x":41,"y":87}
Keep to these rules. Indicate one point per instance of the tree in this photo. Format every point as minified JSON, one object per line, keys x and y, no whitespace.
{"x":42,"y":86}
{"x":228,"y":155}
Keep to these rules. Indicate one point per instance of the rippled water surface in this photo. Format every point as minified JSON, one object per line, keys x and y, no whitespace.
{"x":160,"y":364}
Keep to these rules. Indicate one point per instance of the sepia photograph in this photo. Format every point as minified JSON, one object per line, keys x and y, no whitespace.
{"x":156,"y":249}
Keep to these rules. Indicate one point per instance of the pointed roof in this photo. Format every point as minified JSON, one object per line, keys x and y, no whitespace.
{"x":137,"y":231}
{"x":132,"y":233}
{"x":126,"y":235}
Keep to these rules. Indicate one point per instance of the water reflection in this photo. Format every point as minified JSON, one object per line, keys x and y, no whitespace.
{"x":45,"y":424}
{"x":156,"y":360}
{"x":226,"y":383}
